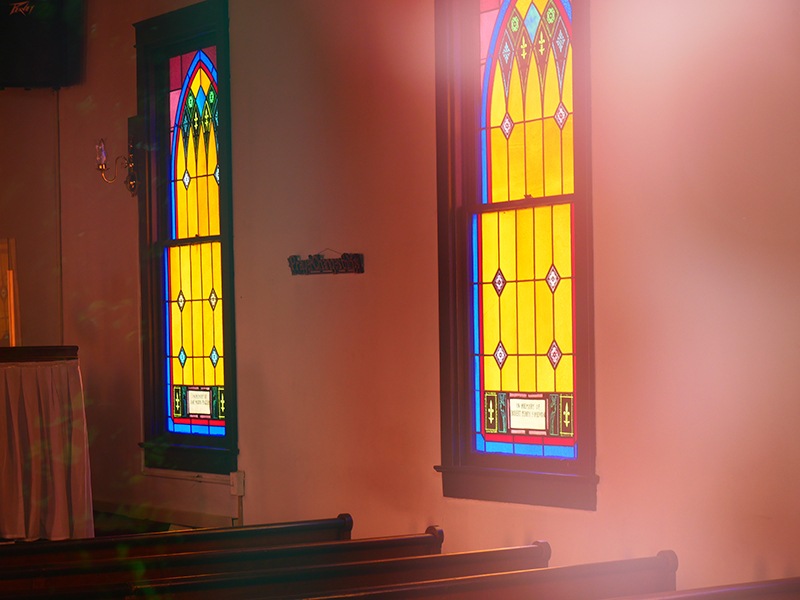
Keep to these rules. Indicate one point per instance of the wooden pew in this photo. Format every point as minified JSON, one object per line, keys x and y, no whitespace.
{"x":296,"y":581}
{"x":167,"y":542}
{"x":774,"y":589}
{"x":594,"y":581}
{"x":182,"y":564}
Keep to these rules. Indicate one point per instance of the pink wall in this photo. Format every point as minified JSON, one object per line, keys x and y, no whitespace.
{"x":695,"y":144}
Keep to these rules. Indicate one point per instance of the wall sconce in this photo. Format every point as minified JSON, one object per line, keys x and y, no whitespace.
{"x":127,"y":163}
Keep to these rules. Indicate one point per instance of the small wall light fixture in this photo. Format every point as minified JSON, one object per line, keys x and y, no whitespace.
{"x":127,"y":163}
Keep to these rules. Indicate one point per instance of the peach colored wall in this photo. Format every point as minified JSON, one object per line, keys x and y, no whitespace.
{"x":696,"y":144}
{"x":29,"y":208}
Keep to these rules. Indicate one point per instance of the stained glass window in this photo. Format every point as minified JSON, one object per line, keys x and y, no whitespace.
{"x":522,"y":265}
{"x":515,"y":254}
{"x":182,"y":136}
{"x":194,"y":360}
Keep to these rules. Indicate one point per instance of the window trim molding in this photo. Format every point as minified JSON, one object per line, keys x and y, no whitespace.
{"x":189,"y":28}
{"x":465,"y":474}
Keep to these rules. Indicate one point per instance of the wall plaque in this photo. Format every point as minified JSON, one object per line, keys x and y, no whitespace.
{"x":317,"y":264}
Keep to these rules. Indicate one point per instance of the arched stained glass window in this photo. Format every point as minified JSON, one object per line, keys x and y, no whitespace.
{"x":194,"y":355}
{"x":522,"y":257}
{"x":515,"y":263}
{"x":183,"y":145}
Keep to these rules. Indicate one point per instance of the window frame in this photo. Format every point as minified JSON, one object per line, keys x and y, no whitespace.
{"x":178,"y":32}
{"x":465,"y":472}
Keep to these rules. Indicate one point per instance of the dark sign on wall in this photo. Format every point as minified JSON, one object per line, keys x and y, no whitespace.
{"x":317,"y":264}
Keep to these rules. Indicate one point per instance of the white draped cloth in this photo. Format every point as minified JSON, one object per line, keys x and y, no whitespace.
{"x":45,"y":482}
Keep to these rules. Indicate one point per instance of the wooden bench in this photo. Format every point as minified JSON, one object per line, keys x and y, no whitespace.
{"x":167,"y":542}
{"x":296,"y":581}
{"x":182,"y":564}
{"x":594,"y":581}
{"x":774,"y":589}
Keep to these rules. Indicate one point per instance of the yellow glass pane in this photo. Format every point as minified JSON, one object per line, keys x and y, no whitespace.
{"x":206,"y":274}
{"x":208,"y":329}
{"x":545,"y":375}
{"x":195,"y":375}
{"x":195,"y":254}
{"x":176,"y":331}
{"x":562,"y":239}
{"x":498,"y":99}
{"x":540,"y":4}
{"x":197,"y":331}
{"x":177,"y":372}
{"x":219,"y":374}
{"x":533,"y":98}
{"x":202,"y":205}
{"x":174,"y":261}
{"x":527,"y":373}
{"x":566,"y":90}
{"x":562,"y":315}
{"x":191,"y":195}
{"x":219,"y":340}
{"x":525,"y":244}
{"x":213,"y":188}
{"x":508,"y":244}
{"x":565,"y":375}
{"x":196,"y":82}
{"x":544,"y":317}
{"x":525,"y":317}
{"x":516,"y":163}
{"x":491,"y":319}
{"x":217,"y":268}
{"x":552,"y":95}
{"x":568,"y":155}
{"x":552,"y":158}
{"x":509,"y":381}
{"x":202,"y":159}
{"x":490,"y":259}
{"x":543,"y":241}
{"x":491,"y":373}
{"x":186,"y":271}
{"x":499,"y":151}
{"x":534,"y":173}
{"x":187,"y":330}
{"x":515,"y":95}
{"x":208,"y":370}
{"x":508,"y":318}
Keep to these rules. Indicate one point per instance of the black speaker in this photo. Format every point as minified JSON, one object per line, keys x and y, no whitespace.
{"x":41,"y":43}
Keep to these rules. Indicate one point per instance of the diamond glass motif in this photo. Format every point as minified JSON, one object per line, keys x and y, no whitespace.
{"x":186,"y":179}
{"x":507,"y":125}
{"x":214,"y":356}
{"x":552,"y":279}
{"x":212,"y":299}
{"x":182,"y":357}
{"x":216,"y":174}
{"x":499,"y":282}
{"x":181,"y":300}
{"x":500,"y":355}
{"x":554,"y":354}
{"x":561,"y":115}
